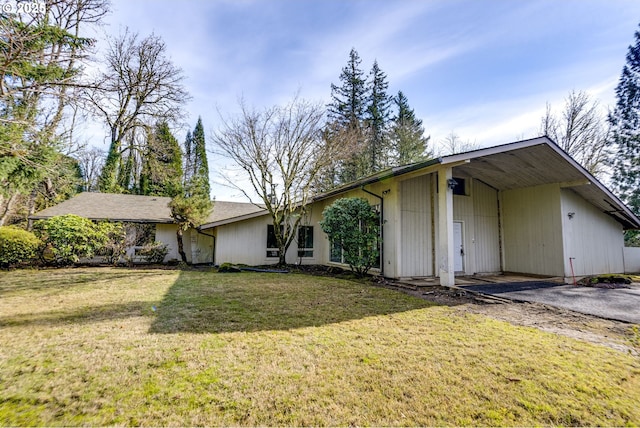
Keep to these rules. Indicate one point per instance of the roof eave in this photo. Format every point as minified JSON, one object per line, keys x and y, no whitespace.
{"x":383,"y":175}
{"x":232,"y":220}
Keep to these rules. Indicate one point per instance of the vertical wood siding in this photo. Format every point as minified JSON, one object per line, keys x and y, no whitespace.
{"x":592,"y":238}
{"x":415,"y":229}
{"x":243,"y":242}
{"x":532,"y":230}
{"x":166,"y":233}
{"x":487,"y":232}
{"x":463,"y":211}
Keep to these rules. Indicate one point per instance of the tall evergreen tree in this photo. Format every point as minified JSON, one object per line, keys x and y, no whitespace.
{"x":625,"y":129}
{"x":407,"y":134}
{"x":348,"y":101}
{"x":346,"y":114}
{"x":200,"y":167}
{"x":162,"y":164}
{"x":192,"y":205}
{"x":377,"y":118}
{"x":188,"y":157}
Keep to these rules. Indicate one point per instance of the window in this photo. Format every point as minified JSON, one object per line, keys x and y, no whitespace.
{"x":272,"y":244}
{"x":336,"y":255}
{"x":460,"y":188}
{"x":305,"y":241}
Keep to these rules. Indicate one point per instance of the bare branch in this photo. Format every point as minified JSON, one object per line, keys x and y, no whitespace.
{"x":282,"y":152}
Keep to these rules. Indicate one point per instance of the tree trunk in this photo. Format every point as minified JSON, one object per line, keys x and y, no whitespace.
{"x":179,"y":234}
{"x":6,"y":212}
{"x":282,"y":258}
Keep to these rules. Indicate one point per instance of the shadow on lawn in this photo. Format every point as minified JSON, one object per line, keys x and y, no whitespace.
{"x":60,"y":279}
{"x":217,"y":303}
{"x":82,"y":315}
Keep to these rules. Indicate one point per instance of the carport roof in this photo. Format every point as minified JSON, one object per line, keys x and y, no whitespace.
{"x":526,"y":163}
{"x":537,"y":162}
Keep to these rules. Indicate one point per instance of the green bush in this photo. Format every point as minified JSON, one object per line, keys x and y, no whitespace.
{"x":67,"y":238}
{"x":115,"y":245}
{"x":17,"y":246}
{"x":353,"y":227}
{"x":154,"y":253}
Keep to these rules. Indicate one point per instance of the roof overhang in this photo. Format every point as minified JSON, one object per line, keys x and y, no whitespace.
{"x":123,"y":220}
{"x":526,"y":163}
{"x":535,"y":162}
{"x":222,"y":222}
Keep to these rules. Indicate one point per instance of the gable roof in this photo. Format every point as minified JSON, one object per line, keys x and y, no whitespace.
{"x":135,"y":208}
{"x":224,"y":212}
{"x":526,"y":163}
{"x":112,"y":206}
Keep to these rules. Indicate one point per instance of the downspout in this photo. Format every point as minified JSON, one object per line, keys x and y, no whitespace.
{"x":381,"y":228}
{"x":213,"y":249}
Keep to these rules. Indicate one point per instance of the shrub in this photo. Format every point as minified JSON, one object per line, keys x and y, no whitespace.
{"x":69,"y":237}
{"x":353,"y":227}
{"x":115,"y":245}
{"x":17,"y":246}
{"x":154,"y":253}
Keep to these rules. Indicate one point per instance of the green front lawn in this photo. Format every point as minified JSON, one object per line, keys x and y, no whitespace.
{"x":162,"y":347}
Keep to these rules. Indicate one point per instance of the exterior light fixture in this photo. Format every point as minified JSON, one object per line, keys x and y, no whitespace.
{"x":451,"y":183}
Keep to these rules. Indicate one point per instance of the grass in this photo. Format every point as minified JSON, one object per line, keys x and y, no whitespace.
{"x":160,"y":347}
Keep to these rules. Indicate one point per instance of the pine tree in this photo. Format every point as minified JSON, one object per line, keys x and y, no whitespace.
{"x":162,"y":165}
{"x":377,"y":118}
{"x":408,"y":142}
{"x":625,"y":129}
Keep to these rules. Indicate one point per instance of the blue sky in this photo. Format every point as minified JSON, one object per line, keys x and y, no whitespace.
{"x":483,"y":69}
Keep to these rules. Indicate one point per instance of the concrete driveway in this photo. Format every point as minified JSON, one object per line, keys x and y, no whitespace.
{"x":621,"y":304}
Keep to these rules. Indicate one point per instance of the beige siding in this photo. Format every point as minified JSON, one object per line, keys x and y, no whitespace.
{"x":166,"y":233}
{"x":389,"y":191}
{"x":245,"y":242}
{"x":631,"y":259}
{"x":478,"y":212}
{"x":532,"y":230}
{"x":463,"y":212}
{"x":201,"y":247}
{"x":593,"y":239}
{"x":486,"y":242}
{"x":193,"y":243}
{"x":416,"y":246}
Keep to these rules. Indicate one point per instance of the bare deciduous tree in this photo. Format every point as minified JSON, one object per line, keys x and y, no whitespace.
{"x":581,"y":131}
{"x":90,"y":161}
{"x":282,"y":152}
{"x":138,"y":86}
{"x":452,"y":144}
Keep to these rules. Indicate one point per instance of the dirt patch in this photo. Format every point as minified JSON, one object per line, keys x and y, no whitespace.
{"x":613,"y":334}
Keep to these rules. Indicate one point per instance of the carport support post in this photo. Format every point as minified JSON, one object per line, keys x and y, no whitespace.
{"x":445,"y":228}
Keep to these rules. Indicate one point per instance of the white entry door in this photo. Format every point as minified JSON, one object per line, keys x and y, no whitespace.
{"x":458,"y":247}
